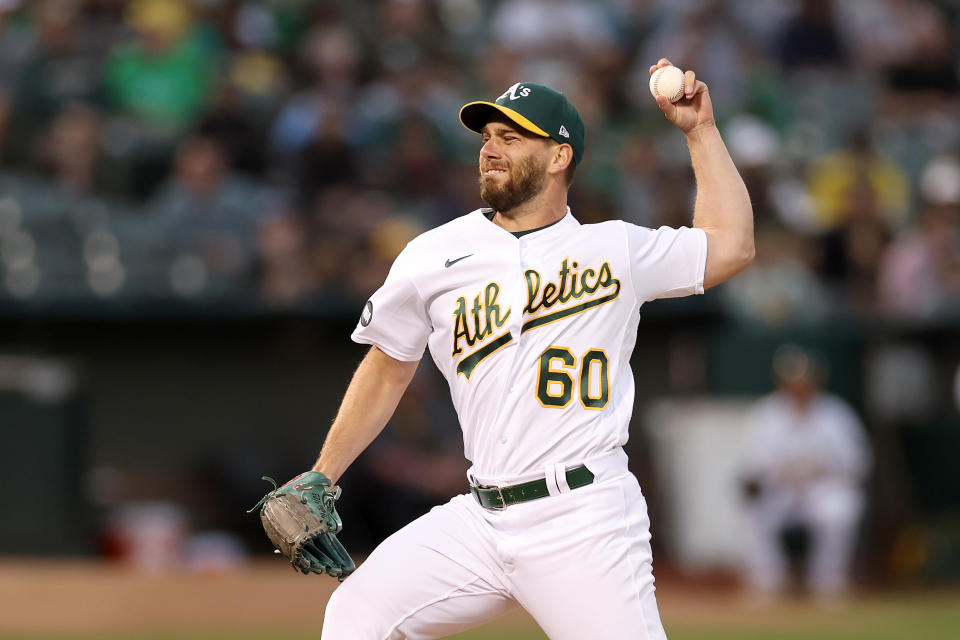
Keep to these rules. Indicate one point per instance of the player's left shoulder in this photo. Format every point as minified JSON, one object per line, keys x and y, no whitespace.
{"x":607,"y":226}
{"x":629,"y":230}
{"x":609,"y":233}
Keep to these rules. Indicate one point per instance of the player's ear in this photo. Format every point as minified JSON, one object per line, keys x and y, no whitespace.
{"x":561,"y":158}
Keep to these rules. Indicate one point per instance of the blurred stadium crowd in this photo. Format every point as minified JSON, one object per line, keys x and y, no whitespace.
{"x":280,"y":153}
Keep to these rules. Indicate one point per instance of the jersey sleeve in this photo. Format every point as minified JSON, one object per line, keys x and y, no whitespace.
{"x":666,"y":262}
{"x":395,"y":318}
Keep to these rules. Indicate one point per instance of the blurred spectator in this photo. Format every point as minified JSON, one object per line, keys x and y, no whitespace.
{"x":331,"y":58}
{"x":577,"y":54}
{"x":369,"y":267}
{"x":920,"y":272}
{"x":838,"y":178}
{"x":908,"y":40}
{"x":812,"y":38}
{"x":851,"y":251}
{"x":356,"y":236}
{"x":164,"y":76}
{"x":5,"y":108}
{"x":236,"y":131}
{"x":208,"y":211}
{"x":779,"y":287}
{"x":407,"y":35}
{"x":63,"y":67}
{"x":637,"y":182}
{"x":327,"y":159}
{"x":261,"y":79}
{"x":286,"y":277}
{"x":755,"y":148}
{"x":71,"y":149}
{"x":417,"y":160}
{"x":577,"y":28}
{"x":807,"y":459}
{"x":16,"y":43}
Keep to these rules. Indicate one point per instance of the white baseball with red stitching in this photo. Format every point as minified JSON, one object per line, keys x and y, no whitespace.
{"x":668,"y":82}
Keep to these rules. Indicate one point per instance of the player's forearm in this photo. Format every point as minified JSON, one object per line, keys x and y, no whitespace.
{"x":376,"y":388}
{"x":722,"y":208}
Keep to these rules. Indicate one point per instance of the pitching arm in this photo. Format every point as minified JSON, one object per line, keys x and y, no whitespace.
{"x":372,"y":397}
{"x":722,"y":207}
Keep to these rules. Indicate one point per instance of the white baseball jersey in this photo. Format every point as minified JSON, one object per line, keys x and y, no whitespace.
{"x":788,"y":444}
{"x":533,"y":334}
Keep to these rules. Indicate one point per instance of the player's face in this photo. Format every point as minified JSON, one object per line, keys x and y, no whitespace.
{"x":513,"y":166}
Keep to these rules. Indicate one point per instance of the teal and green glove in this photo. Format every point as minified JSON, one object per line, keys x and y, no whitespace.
{"x":301,"y":520}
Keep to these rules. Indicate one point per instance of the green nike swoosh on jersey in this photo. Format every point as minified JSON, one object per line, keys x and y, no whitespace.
{"x":450,"y":263}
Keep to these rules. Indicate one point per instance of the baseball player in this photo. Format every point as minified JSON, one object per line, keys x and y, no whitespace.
{"x":531,"y":317}
{"x":806,"y":462}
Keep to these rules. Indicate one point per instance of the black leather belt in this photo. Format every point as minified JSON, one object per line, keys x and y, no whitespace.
{"x":492,"y":497}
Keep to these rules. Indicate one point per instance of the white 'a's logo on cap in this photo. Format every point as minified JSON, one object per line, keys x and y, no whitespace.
{"x":564,"y":132}
{"x":515,"y":92}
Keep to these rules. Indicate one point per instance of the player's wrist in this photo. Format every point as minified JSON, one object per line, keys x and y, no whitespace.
{"x":702,"y":129}
{"x":332,"y":475}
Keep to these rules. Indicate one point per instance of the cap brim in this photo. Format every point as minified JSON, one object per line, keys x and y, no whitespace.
{"x":474,"y":115}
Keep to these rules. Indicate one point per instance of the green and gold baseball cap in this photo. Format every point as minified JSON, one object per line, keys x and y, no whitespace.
{"x":538,"y":109}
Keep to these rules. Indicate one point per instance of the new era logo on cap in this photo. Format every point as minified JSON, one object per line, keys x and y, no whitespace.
{"x":563,"y":131}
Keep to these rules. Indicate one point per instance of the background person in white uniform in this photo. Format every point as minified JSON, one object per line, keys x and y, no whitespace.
{"x":807,"y":460}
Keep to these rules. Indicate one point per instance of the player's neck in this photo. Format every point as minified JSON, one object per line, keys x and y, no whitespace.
{"x":538,"y":212}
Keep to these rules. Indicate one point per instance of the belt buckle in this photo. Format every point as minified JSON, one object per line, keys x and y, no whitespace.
{"x":503,"y":503}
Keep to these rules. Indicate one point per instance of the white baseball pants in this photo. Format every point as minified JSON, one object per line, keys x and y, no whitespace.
{"x":578,"y":561}
{"x":831,"y":511}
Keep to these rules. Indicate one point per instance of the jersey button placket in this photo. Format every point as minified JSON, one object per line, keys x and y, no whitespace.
{"x":521,"y":301}
{"x":498,"y":425}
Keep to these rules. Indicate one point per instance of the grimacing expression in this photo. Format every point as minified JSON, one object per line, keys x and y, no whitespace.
{"x":505,"y":182}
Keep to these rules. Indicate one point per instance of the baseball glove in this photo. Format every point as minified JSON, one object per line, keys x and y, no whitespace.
{"x":301,"y":520}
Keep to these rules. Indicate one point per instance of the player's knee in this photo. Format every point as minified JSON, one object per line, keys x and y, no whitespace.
{"x":338,"y":613}
{"x":347,"y":616}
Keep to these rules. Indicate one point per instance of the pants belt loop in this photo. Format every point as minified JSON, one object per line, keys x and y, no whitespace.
{"x":560,"y":473}
{"x":553,"y":488}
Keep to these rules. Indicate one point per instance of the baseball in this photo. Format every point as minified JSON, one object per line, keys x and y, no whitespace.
{"x":667,"y":82}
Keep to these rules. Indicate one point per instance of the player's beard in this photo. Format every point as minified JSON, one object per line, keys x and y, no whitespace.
{"x":525,"y":180}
